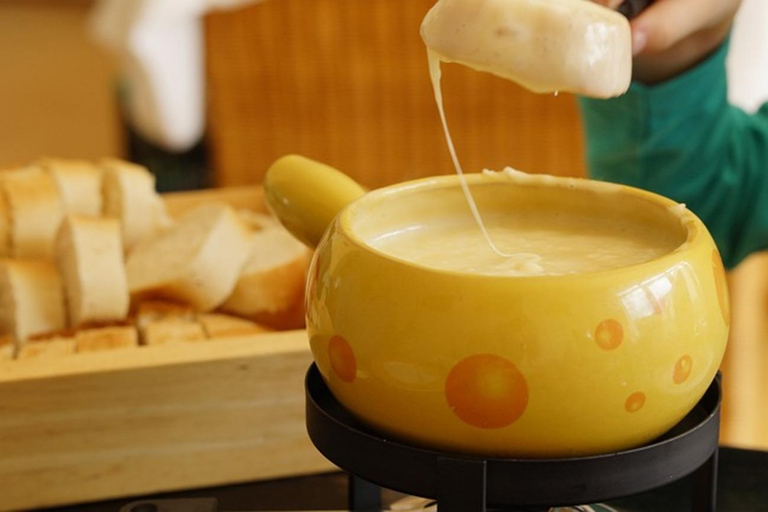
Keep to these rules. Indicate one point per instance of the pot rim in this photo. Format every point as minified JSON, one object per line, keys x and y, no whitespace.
{"x":695,"y":231}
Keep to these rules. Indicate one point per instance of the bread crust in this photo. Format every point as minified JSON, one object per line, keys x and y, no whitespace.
{"x":217,"y":325}
{"x":47,"y":348}
{"x":106,"y":338}
{"x":129,"y":195}
{"x":174,"y":330}
{"x":270,"y":289}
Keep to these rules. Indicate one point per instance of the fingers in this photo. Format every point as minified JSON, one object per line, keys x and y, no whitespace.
{"x":667,"y":22}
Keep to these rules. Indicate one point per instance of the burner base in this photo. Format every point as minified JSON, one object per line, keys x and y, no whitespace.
{"x":469,"y":484}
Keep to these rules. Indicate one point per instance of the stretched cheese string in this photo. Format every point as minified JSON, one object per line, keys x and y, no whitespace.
{"x":435,"y":74}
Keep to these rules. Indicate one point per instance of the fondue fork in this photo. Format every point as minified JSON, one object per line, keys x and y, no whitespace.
{"x":631,"y":8}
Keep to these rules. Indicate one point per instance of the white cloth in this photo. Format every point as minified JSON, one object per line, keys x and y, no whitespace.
{"x":747,"y":62}
{"x":160,"y":45}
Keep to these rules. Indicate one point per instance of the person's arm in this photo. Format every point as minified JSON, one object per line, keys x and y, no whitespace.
{"x":682,"y":139}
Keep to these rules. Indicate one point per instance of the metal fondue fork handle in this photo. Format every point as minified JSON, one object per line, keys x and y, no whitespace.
{"x":631,"y":8}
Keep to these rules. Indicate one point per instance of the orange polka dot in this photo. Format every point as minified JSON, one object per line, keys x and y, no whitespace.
{"x":342,"y":359}
{"x":609,"y":334}
{"x":721,"y":285}
{"x":683,"y":369}
{"x":486,"y":391}
{"x":635,"y":402}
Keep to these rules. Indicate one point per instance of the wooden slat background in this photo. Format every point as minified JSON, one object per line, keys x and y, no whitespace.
{"x":346,"y":82}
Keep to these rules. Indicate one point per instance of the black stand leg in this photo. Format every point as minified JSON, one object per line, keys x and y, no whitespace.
{"x":705,"y":486}
{"x":363,"y":496}
{"x":462,"y":485}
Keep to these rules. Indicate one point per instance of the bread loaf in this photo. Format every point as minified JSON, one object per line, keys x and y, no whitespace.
{"x":31,"y":298}
{"x":196,"y":262}
{"x":129,"y":195}
{"x":35,"y":211}
{"x":90,"y":257}
{"x":106,"y":338}
{"x":270,"y":289}
{"x":544,"y":45}
{"x":79,"y":184}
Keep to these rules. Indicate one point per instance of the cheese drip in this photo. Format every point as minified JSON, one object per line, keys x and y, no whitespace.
{"x":435,"y":74}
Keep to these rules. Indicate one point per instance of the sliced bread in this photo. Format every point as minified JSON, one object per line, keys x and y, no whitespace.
{"x":7,"y":347}
{"x":31,"y":298}
{"x":5,"y":227}
{"x":106,"y":338}
{"x":172,"y":331}
{"x":55,"y":346}
{"x":150,"y":311}
{"x":35,"y":211}
{"x":129,"y":195}
{"x":89,"y":255}
{"x":196,"y":262}
{"x":79,"y":184}
{"x":217,"y":325}
{"x":270,"y":289}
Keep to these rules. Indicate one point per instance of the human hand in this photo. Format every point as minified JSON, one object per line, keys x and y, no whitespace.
{"x":671,"y":36}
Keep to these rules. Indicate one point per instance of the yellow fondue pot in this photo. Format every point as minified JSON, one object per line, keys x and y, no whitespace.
{"x":542,"y":366}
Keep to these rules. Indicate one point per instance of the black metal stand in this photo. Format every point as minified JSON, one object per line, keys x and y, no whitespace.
{"x":466,"y":484}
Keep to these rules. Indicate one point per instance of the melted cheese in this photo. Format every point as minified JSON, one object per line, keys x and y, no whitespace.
{"x":543,"y":244}
{"x":434,"y":75}
{"x":532,"y":42}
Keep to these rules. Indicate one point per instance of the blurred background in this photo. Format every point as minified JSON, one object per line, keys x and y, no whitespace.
{"x":341,"y":81}
{"x":209,"y":93}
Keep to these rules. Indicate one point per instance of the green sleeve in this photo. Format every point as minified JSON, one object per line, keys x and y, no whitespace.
{"x":682,"y":139}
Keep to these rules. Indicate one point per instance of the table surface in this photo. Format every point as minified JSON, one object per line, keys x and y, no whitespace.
{"x":745,"y":367}
{"x":743,"y":487}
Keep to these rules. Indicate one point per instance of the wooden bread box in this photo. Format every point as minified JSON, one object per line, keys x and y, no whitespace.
{"x":110,"y":424}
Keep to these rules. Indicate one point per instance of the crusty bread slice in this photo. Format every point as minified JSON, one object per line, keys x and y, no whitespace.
{"x":129,"y":195}
{"x":546,"y":46}
{"x":7,"y":347}
{"x":217,"y":325}
{"x":55,"y":346}
{"x":89,"y":255}
{"x":35,"y":211}
{"x":161,"y":322}
{"x":151,"y":311}
{"x":172,"y":331}
{"x":270,"y":289}
{"x":196,"y":262}
{"x":31,"y":298}
{"x":106,"y":338}
{"x":79,"y":184}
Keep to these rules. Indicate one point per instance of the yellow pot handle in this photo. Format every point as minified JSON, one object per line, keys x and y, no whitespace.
{"x":306,"y":195}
